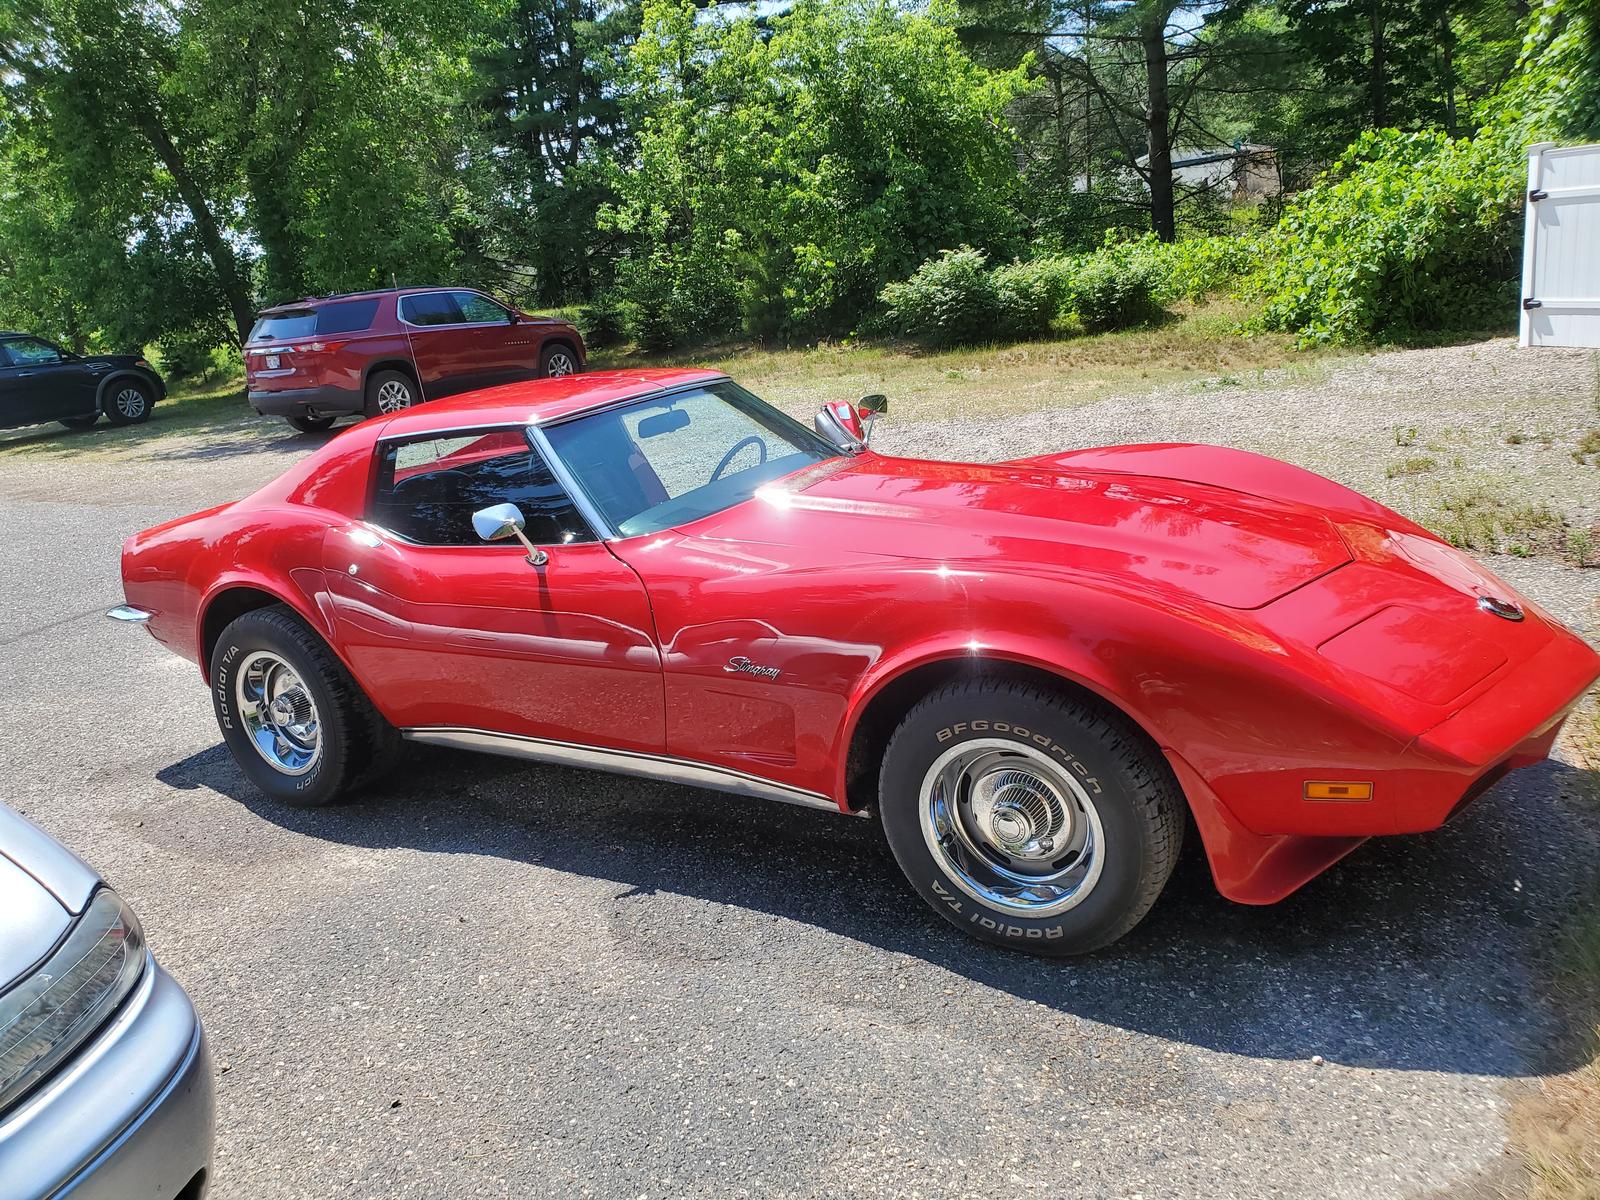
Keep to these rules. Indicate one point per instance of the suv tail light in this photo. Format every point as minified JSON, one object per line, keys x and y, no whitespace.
{"x":316,"y":347}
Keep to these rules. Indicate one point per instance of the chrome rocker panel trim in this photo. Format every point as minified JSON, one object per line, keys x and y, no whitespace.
{"x":618,"y":762}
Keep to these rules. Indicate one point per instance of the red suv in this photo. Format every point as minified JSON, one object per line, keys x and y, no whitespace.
{"x":313,"y":361}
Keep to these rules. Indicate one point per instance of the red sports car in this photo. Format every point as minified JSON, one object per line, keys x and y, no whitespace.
{"x":1033,"y":670}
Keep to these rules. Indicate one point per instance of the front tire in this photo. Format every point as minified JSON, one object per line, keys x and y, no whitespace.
{"x":1028,"y":818}
{"x":298,"y":725}
{"x":128,"y":402}
{"x":390,"y":392}
{"x":558,"y":360}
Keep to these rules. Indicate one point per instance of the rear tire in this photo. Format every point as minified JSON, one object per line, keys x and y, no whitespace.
{"x":1028,"y":818}
{"x":311,"y":424}
{"x":558,"y":360}
{"x":80,"y":422}
{"x":128,"y":402}
{"x":298,"y":725}
{"x":390,"y":392}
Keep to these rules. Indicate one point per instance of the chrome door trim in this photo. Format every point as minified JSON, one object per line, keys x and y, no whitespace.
{"x":620,"y":762}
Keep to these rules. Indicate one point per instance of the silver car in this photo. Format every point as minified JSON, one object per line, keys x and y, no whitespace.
{"x":105,"y":1079}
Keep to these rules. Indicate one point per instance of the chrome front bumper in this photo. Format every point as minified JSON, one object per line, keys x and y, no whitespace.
{"x":132,"y":1114}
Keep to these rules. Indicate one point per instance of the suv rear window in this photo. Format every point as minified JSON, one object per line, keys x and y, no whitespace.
{"x":347,"y":316}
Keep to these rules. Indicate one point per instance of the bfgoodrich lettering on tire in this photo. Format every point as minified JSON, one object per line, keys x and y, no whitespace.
{"x":298,"y":725}
{"x":1029,"y":818}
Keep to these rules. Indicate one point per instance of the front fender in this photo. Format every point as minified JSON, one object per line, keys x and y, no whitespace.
{"x":1237,"y":711}
{"x":104,"y":386}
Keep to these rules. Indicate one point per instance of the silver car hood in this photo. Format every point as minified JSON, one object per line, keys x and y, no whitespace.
{"x":43,"y":885}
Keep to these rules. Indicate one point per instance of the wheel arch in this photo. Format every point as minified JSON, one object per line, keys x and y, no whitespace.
{"x":103,"y":389}
{"x":232,"y":598}
{"x":563,"y":340}
{"x":404,"y":365}
{"x":884,"y":699}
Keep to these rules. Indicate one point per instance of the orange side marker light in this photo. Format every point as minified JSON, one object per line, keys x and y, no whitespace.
{"x":1338,"y":791}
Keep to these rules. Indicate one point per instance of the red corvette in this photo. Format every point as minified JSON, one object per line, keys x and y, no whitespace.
{"x":1031,"y":670}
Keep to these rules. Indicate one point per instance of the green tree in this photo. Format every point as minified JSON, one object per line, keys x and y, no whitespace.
{"x":786,"y":171}
{"x":548,"y":77}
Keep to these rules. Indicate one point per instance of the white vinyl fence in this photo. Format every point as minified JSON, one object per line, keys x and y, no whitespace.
{"x":1561,"y":247}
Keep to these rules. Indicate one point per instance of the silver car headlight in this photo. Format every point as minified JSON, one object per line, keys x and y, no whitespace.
{"x":50,"y":1013}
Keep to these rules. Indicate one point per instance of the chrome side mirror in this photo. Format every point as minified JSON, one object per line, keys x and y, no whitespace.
{"x":869,"y":408}
{"x":501,"y":521}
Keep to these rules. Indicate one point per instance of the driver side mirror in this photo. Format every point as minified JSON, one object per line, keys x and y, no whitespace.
{"x":840,"y":424}
{"x":501,"y":521}
{"x":849,"y":426}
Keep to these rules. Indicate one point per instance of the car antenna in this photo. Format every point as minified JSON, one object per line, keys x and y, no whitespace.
{"x":422,"y":392}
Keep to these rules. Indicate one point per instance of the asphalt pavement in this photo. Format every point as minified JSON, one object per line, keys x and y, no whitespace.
{"x":491,"y":979}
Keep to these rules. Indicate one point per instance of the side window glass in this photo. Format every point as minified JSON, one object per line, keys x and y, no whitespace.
{"x":476,"y":308}
{"x":29,"y":352}
{"x":430,"y":308}
{"x":429,"y":487}
{"x":349,"y":316}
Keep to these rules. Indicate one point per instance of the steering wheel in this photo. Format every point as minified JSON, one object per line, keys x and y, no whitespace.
{"x":733,"y":453}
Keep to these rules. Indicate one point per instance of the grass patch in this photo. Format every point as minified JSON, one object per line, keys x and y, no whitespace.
{"x":1482,"y":517}
{"x":984,"y":381}
{"x":1588,"y":446}
{"x":1419,"y":465}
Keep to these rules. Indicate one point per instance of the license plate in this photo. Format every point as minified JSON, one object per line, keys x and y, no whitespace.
{"x":272,"y":362}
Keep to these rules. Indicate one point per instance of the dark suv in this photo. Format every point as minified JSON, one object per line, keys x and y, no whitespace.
{"x":314,"y":361}
{"x":39,"y":381}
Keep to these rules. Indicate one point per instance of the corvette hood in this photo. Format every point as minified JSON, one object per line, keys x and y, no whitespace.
{"x":1222,"y":546}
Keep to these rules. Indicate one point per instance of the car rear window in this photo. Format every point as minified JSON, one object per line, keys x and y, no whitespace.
{"x":347,"y":316}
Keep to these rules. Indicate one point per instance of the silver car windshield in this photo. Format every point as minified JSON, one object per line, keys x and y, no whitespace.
{"x":674,"y":458}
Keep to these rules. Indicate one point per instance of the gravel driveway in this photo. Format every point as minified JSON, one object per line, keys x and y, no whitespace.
{"x":496,"y":980}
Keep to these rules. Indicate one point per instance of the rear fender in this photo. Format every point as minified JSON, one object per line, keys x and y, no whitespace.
{"x":300,"y":588}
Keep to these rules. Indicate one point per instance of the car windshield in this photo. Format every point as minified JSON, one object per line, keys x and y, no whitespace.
{"x":675,"y":458}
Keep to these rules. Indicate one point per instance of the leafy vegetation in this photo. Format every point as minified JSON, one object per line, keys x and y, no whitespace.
{"x":686,"y":173}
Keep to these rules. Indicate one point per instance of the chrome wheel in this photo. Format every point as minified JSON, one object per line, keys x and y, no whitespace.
{"x":1011,"y":827}
{"x":130,"y":402}
{"x":393,"y":396}
{"x":560,"y":363}
{"x":279,"y":715}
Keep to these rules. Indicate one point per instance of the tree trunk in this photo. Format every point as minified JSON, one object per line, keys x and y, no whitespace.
{"x":1158,"y":133}
{"x":1376,"y":81}
{"x":215,"y":245}
{"x":1447,"y":50}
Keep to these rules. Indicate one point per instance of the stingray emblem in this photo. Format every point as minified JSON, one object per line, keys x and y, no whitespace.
{"x":1500,"y":608}
{"x":743,"y":666}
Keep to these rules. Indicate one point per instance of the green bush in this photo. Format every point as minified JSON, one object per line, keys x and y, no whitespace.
{"x":670,"y":301}
{"x":1106,"y":294}
{"x":1027,"y":297}
{"x":1410,"y":231}
{"x":602,"y":323}
{"x":187,"y":357}
{"x":950,"y":300}
{"x":1419,"y":232}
